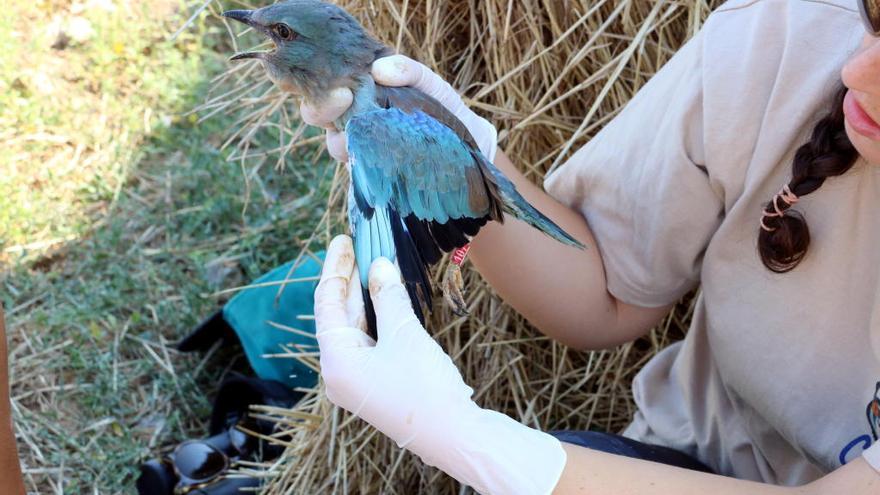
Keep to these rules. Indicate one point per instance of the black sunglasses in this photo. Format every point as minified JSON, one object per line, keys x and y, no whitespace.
{"x":871,"y":15}
{"x":199,"y":463}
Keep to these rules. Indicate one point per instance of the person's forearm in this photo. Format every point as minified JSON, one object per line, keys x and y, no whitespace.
{"x":592,"y":472}
{"x":10,"y":469}
{"x":560,"y":289}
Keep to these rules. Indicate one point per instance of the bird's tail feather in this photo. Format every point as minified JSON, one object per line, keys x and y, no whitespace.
{"x":369,"y":313}
{"x":385,"y":234}
{"x":372,"y":237}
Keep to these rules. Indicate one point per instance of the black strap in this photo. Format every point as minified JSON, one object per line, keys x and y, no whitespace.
{"x":207,"y":332}
{"x":238,"y":392}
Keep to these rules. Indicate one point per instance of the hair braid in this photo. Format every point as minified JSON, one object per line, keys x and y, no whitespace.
{"x":784,"y":237}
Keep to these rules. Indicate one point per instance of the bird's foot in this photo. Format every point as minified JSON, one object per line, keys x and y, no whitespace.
{"x":453,"y":285}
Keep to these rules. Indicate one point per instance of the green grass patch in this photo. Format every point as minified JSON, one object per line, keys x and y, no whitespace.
{"x":120,"y":218}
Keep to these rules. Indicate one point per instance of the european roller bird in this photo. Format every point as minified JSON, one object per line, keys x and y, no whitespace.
{"x":419,"y":184}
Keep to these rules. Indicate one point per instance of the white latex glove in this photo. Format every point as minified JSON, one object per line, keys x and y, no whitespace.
{"x":399,"y":70}
{"x":410,"y":390}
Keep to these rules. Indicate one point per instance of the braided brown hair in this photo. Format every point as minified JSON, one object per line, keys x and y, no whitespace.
{"x":784,"y":236}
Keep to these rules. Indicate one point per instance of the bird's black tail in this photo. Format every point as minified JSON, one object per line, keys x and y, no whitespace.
{"x":369,"y":313}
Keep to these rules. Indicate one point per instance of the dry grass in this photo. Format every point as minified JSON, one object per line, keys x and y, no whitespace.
{"x":549,"y":74}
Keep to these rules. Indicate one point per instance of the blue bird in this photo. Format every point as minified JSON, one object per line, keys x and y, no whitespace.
{"x":419,"y":184}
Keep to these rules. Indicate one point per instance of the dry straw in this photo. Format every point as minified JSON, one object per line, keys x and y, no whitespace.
{"x":549,"y":74}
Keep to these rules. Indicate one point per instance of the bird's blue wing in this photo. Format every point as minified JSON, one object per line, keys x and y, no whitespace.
{"x":416,"y":183}
{"x":500,"y":191}
{"x":416,"y":165}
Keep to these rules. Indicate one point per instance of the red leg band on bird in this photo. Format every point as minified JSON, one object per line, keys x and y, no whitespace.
{"x":459,"y":254}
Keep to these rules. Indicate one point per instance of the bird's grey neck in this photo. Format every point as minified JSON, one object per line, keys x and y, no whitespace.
{"x":364,"y":100}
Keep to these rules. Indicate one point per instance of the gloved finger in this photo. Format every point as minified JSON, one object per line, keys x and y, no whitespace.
{"x":344,"y":353}
{"x":354,"y":305}
{"x":331,"y":341}
{"x":400,"y":70}
{"x":324,"y":112}
{"x":331,"y":293}
{"x":390,"y":299}
{"x":337,"y":145}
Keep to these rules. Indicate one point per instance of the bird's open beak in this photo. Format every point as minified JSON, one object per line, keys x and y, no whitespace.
{"x":245,"y":17}
{"x":246,"y":55}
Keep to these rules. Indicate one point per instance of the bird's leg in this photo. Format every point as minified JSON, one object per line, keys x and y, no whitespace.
{"x":453,"y":282}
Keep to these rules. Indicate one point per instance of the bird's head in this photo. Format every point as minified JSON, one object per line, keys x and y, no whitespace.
{"x":318,"y":46}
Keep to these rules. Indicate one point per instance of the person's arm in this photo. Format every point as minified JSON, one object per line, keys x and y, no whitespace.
{"x":560,"y":289}
{"x":595,"y":473}
{"x":10,"y":469}
{"x":574,"y":306}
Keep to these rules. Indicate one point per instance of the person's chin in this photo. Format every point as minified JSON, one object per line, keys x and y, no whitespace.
{"x":868,"y":148}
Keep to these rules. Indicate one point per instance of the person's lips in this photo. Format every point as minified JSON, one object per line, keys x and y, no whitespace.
{"x":859,"y":119}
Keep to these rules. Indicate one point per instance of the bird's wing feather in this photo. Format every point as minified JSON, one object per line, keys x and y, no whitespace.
{"x":410,"y":99}
{"x":416,"y":165}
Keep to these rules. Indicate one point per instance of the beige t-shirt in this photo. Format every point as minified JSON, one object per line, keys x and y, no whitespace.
{"x":778,"y":379}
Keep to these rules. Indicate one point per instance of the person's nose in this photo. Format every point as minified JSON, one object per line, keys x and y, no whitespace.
{"x":861,"y":74}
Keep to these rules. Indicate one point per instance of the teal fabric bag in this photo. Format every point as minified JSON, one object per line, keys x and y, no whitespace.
{"x":271,"y":329}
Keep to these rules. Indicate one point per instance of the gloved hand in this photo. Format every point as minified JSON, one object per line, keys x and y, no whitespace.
{"x":399,"y":70}
{"x":409,"y":389}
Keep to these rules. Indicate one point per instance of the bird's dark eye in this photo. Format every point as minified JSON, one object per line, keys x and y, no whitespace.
{"x":283,"y":32}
